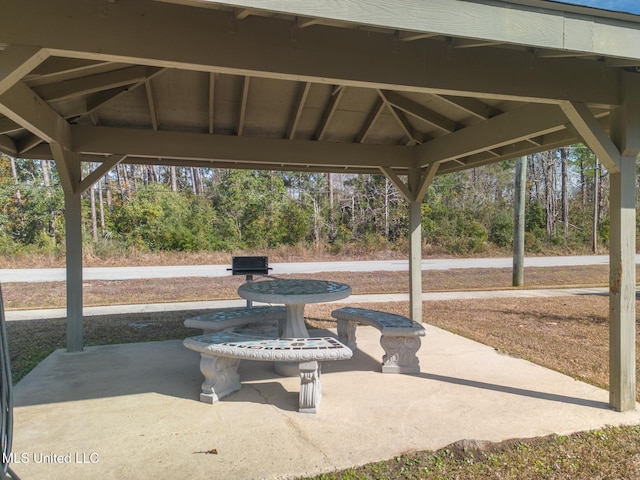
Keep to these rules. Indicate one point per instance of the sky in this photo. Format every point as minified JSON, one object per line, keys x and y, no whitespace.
{"x":627,"y":6}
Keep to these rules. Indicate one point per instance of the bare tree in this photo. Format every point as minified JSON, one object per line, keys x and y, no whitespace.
{"x":565,"y":192}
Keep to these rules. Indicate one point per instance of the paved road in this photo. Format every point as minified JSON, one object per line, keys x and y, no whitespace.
{"x":129,"y":273}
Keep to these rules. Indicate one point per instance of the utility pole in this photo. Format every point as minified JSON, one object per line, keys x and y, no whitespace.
{"x":518,"y":223}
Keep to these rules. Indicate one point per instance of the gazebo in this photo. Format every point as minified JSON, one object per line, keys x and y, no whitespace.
{"x":410,"y":89}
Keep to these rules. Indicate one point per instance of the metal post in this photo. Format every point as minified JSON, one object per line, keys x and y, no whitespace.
{"x":249,"y":302}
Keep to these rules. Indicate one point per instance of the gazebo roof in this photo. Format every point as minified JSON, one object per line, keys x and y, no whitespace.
{"x":402,"y":87}
{"x":361,"y":86}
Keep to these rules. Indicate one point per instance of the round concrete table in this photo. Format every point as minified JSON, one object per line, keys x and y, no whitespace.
{"x":294,"y":294}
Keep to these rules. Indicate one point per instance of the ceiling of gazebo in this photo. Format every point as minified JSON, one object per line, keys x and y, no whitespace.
{"x":199,"y":83}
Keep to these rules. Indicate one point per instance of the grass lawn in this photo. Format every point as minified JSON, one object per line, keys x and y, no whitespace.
{"x":567,"y":334}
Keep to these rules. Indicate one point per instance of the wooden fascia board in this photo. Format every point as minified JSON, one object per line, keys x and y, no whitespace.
{"x":504,"y":129}
{"x":23,"y":106}
{"x":481,"y":19}
{"x":183,"y":145}
{"x":263,"y":47}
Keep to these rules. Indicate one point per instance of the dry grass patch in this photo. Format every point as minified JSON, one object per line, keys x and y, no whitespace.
{"x":53,"y":294}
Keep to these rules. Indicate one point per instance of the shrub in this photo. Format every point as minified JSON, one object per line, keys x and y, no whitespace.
{"x":501,"y":229}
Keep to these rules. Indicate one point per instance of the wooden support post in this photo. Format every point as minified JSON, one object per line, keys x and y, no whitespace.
{"x":415,"y":260}
{"x":622,"y":288}
{"x":518,"y":224}
{"x":69,"y":170}
{"x":414,"y":190}
{"x":73,"y":222}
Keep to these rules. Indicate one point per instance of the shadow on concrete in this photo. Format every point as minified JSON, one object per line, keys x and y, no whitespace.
{"x":552,"y":397}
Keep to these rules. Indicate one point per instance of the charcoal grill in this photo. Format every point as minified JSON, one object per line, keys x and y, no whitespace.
{"x":249,"y":266}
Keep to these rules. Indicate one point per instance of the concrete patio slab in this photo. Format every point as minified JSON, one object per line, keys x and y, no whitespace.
{"x":132,"y":411}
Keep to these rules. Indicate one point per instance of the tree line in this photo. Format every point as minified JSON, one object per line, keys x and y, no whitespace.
{"x":154,"y":208}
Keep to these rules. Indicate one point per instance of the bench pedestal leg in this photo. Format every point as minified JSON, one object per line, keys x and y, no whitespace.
{"x":347,"y":333}
{"x":310,"y":388}
{"x":400,"y":354}
{"x":220,"y":377}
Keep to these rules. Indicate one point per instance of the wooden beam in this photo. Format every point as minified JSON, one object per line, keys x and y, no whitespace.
{"x":329,"y":111}
{"x":412,"y":36}
{"x":28,"y":143}
{"x":67,"y":166}
{"x":16,"y":62}
{"x":471,"y":43}
{"x":397,"y":182}
{"x":8,"y":146}
{"x":626,"y":135}
{"x":242,"y":13}
{"x":426,"y":178}
{"x":593,"y":134}
{"x":441,"y":123}
{"x":243,"y":106}
{"x":297,"y":110}
{"x":9,"y":126}
{"x":152,"y":105}
{"x":23,"y":106}
{"x":203,"y":146}
{"x":92,"y":84}
{"x":371,"y":120}
{"x":99,"y":172}
{"x":212,"y":96}
{"x":263,"y":48}
{"x":98,"y":99}
{"x":58,"y":69}
{"x":527,"y":121}
{"x":472,"y":106}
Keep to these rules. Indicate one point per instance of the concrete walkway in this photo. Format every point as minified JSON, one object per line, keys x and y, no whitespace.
{"x":132,"y":411}
{"x":13,"y":315}
{"x":18,"y":275}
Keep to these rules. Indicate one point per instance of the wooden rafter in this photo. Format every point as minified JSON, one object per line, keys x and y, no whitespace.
{"x":92,"y":84}
{"x":403,"y":123}
{"x":472,"y":106}
{"x":441,"y":123}
{"x":212,"y":91}
{"x":297,"y":110}
{"x":329,"y":111}
{"x":513,"y":76}
{"x":243,"y":105}
{"x":152,"y":105}
{"x":371,"y":120}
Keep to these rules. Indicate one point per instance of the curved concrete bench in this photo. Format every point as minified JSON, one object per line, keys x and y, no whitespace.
{"x":221,"y":353}
{"x":400,"y":336}
{"x":238,"y":317}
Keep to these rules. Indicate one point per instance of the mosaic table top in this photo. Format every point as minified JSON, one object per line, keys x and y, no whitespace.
{"x":278,"y":349}
{"x":294,"y":291}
